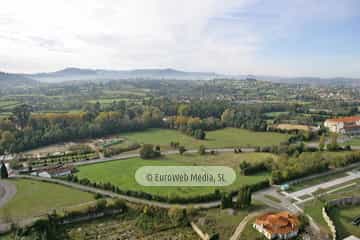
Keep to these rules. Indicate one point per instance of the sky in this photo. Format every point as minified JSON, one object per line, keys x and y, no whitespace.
{"x":261,"y":37}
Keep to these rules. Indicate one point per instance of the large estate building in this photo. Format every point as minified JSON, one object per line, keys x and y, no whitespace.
{"x":345,"y":125}
{"x":281,"y":225}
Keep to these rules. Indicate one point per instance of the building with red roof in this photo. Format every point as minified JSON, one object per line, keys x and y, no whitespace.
{"x":282,"y":225}
{"x":345,"y":125}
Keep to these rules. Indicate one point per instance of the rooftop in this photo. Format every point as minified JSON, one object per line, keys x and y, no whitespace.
{"x":345,"y":119}
{"x":279,"y":223}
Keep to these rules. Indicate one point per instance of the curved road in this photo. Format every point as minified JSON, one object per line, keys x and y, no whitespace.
{"x":7,"y":192}
{"x":121,"y":196}
{"x":132,"y":155}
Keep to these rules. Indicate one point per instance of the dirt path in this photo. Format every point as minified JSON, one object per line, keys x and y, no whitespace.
{"x":240,"y":228}
{"x":7,"y":192}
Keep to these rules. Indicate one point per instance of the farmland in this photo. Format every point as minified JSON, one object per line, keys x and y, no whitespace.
{"x":122,"y":172}
{"x":35,"y":198}
{"x":124,"y":227}
{"x":228,"y":137}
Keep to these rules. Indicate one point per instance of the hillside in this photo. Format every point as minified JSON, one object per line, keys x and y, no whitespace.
{"x":73,"y":74}
{"x":15,"y":80}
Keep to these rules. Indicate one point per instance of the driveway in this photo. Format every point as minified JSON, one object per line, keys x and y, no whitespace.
{"x":282,"y":203}
{"x":7,"y":192}
{"x":352,"y":175}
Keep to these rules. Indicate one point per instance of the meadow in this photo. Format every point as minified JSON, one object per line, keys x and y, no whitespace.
{"x":34,"y":198}
{"x":223,"y":138}
{"x":122,"y":172}
{"x":353,"y":142}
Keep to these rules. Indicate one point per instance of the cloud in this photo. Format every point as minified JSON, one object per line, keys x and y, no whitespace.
{"x":209,"y":35}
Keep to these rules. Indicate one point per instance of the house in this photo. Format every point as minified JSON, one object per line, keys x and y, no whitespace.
{"x":282,"y":225}
{"x":54,"y":172}
{"x":345,"y":125}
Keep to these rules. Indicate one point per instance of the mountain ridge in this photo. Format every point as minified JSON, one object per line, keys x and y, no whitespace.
{"x":78,"y":74}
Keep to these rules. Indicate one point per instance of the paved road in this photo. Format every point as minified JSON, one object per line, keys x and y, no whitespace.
{"x":7,"y":192}
{"x":310,"y":190}
{"x":121,"y":196}
{"x":132,"y":155}
{"x":283,"y":203}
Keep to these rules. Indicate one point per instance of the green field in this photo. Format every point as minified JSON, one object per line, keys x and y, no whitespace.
{"x":249,"y":233}
{"x":221,"y":221}
{"x":314,"y":209}
{"x":4,"y":104}
{"x":275,"y":114}
{"x":342,"y":218}
{"x":122,"y":172}
{"x":34,"y":198}
{"x":353,"y":142}
{"x":229,"y":137}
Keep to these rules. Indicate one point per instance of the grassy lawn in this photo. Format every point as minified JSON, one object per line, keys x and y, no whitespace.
{"x":34,"y":198}
{"x":7,"y":237}
{"x":122,"y":172}
{"x":221,"y":221}
{"x":250,"y":233}
{"x":275,"y":114}
{"x":314,"y":209}
{"x":353,"y":142}
{"x":229,"y":137}
{"x":342,"y":218}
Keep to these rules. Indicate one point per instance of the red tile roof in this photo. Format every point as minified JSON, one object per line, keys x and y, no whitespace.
{"x":345,"y":119}
{"x":279,"y":223}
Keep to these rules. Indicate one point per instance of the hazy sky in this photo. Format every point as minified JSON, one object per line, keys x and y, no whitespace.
{"x":277,"y":37}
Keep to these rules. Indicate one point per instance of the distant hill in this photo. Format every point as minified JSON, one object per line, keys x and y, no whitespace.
{"x":78,"y":74}
{"x":73,"y":74}
{"x":15,"y":80}
{"x":338,"y":81}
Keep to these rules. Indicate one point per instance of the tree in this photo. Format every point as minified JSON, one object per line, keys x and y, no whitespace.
{"x":3,"y":171}
{"x":183,"y":110}
{"x":7,"y":140}
{"x":333,"y":145}
{"x":199,"y":134}
{"x":182,"y":150}
{"x":202,"y":150}
{"x":244,"y":197}
{"x":226,"y":201}
{"x":228,"y":117}
{"x":22,"y":115}
{"x":177,"y":216}
{"x":322,"y":143}
{"x":243,"y":166}
{"x":147,"y":151}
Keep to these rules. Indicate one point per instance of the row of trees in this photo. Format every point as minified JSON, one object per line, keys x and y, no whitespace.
{"x":25,"y":130}
{"x":243,"y":198}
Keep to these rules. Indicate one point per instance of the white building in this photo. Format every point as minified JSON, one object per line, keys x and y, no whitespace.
{"x":54,"y":172}
{"x":345,"y":125}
